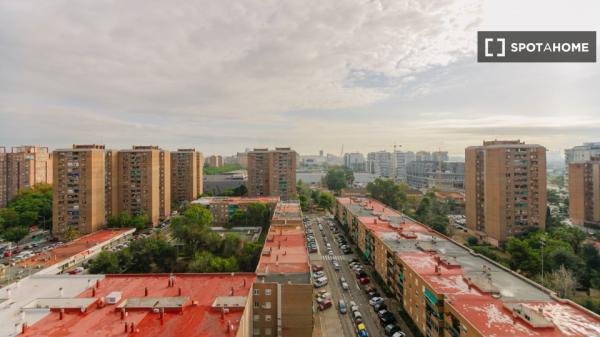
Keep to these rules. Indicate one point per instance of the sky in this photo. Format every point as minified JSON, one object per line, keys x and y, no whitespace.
{"x":223,"y":76}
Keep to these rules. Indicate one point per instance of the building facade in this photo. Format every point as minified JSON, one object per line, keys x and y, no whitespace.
{"x":272,"y":173}
{"x":355,"y":161}
{"x":21,"y":168}
{"x":505,"y":189}
{"x":215,"y":161}
{"x":139,"y":180}
{"x":3,"y":177}
{"x":380,"y":164}
{"x":443,"y":176}
{"x":584,"y":192}
{"x":78,"y":201}
{"x":400,"y":162}
{"x":448,"y":290}
{"x":186,"y":175}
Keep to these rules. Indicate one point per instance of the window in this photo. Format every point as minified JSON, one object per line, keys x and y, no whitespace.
{"x":256,"y":331}
{"x":256,"y":304}
{"x":268,"y":292}
{"x":267,"y":318}
{"x":267,"y":305}
{"x":256,"y":318}
{"x":268,"y":331}
{"x":256,"y":292}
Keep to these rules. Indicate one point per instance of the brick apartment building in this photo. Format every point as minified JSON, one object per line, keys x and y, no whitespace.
{"x":186,"y":175}
{"x":584,"y":192}
{"x":505,"y":189}
{"x":21,"y":168}
{"x":272,"y":173}
{"x":450,"y":291}
{"x":78,"y":189}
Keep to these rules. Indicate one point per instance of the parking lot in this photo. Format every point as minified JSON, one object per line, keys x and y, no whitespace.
{"x":339,"y":278}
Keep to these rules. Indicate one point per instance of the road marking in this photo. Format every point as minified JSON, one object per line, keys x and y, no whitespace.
{"x":333,"y":258}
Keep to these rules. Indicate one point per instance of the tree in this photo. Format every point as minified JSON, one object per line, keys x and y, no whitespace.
{"x":231,"y":244}
{"x":10,"y":216}
{"x":472,"y":240}
{"x":336,"y":179}
{"x":563,"y":282}
{"x":15,"y":234}
{"x":205,"y":262}
{"x":523,"y":257}
{"x":71,"y":234}
{"x":28,"y":218}
{"x":388,"y":192}
{"x":303,"y":202}
{"x":105,"y":263}
{"x":325,"y":200}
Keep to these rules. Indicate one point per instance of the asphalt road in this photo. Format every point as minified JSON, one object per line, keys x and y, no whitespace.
{"x":354,"y":293}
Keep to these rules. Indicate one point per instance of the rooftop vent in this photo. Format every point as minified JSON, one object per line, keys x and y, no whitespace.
{"x":535,"y":318}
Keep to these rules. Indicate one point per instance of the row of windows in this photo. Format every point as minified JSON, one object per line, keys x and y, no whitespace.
{"x":267,"y":292}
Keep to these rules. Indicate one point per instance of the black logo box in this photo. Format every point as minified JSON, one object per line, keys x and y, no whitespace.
{"x":496,"y":52}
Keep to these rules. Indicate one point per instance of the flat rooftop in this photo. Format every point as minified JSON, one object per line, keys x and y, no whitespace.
{"x":287,"y":211}
{"x":73,"y":248}
{"x":480,"y":290}
{"x":206,"y":201}
{"x":284,"y":252}
{"x":192,"y":306}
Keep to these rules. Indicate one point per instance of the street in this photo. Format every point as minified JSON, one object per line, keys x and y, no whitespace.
{"x":331,"y":321}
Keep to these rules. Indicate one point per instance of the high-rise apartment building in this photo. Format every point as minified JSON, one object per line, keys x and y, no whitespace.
{"x":584,"y":192}
{"x":186,"y":175}
{"x":439,"y":156}
{"x":272,"y":173}
{"x":78,"y":189}
{"x":139,"y":182}
{"x":380,"y":164}
{"x":26,"y":166}
{"x":582,"y":153}
{"x":505,"y":188}
{"x":111,"y":186}
{"x":423,"y":156}
{"x":3,"y":177}
{"x":400,"y":161}
{"x":215,"y":161}
{"x":355,"y":161}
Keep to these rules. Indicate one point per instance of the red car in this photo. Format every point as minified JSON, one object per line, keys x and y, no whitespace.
{"x":364,"y":280}
{"x":325,"y":305}
{"x":316,"y":268}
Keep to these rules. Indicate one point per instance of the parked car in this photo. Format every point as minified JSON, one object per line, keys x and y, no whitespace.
{"x":316,"y":268}
{"x":379,"y":307}
{"x":362,"y":330}
{"x":364,"y":280}
{"x":376,"y":300}
{"x":399,"y":334}
{"x":325,"y":305}
{"x":391,"y":329}
{"x":342,"y":307}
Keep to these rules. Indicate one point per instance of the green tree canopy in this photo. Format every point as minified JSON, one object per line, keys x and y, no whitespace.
{"x":388,"y":192}
{"x":15,"y":234}
{"x":338,"y":177}
{"x":105,"y":263}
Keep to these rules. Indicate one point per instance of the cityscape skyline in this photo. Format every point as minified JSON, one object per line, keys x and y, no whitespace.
{"x":328,"y":76}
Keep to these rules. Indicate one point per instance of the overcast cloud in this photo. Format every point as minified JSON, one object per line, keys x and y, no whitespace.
{"x":225,"y":75}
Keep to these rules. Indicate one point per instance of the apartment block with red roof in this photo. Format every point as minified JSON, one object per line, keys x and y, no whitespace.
{"x":450,"y":291}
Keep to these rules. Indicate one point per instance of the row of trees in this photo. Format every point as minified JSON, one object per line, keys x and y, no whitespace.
{"x":254,"y":214}
{"x":31,"y":207}
{"x":196,"y":248}
{"x":311,"y":198}
{"x":429,"y":210}
{"x":139,"y":222}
